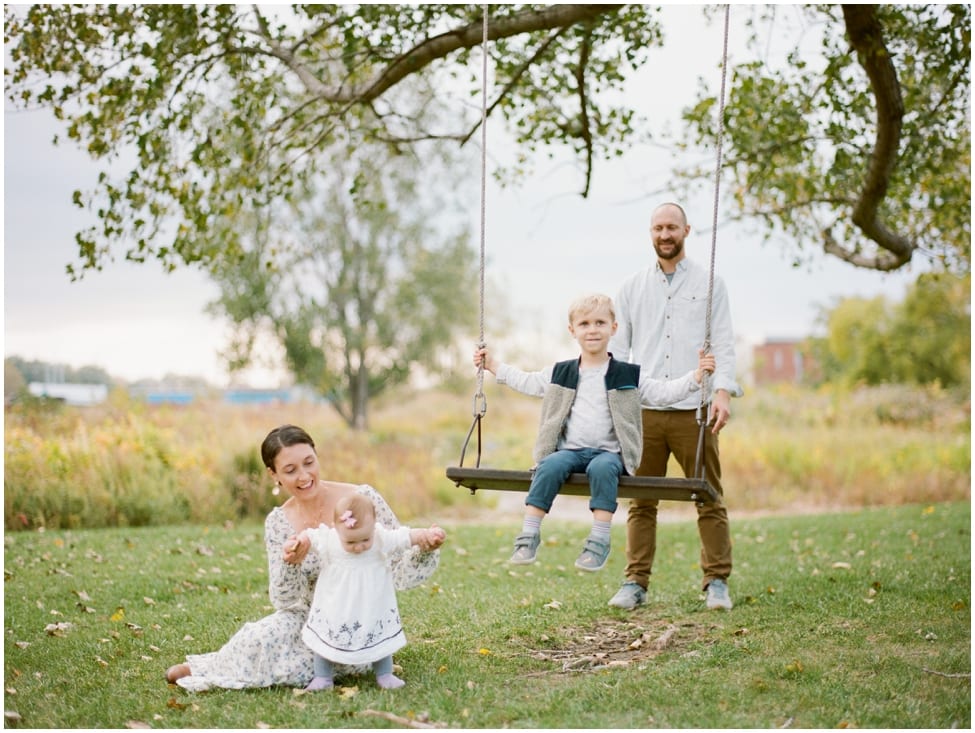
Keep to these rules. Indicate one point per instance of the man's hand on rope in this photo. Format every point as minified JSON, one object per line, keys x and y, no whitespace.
{"x":720,"y":410}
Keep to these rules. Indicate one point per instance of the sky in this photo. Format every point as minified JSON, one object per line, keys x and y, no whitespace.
{"x":545,"y":245}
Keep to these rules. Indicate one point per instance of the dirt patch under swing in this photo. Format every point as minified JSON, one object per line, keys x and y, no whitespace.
{"x":617,"y":643}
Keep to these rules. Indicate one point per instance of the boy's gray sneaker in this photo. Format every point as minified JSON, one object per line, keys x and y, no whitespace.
{"x":630,"y":595}
{"x":593,"y":556}
{"x":717,"y":595}
{"x":526,"y":546}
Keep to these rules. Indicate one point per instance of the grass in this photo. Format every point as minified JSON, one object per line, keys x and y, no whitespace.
{"x":854,"y":619}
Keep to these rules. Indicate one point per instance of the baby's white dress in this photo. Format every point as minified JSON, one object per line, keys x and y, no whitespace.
{"x":354,"y":616}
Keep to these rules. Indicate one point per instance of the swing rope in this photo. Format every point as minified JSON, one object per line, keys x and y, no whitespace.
{"x":703,"y":410}
{"x":663,"y":487}
{"x":479,"y":408}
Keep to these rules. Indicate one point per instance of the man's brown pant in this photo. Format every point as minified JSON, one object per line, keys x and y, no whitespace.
{"x":666,"y":432}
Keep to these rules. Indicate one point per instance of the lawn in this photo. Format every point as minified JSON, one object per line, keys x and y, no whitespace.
{"x":853,"y":619}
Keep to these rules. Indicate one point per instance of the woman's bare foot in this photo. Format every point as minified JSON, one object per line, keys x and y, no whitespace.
{"x":177,"y":671}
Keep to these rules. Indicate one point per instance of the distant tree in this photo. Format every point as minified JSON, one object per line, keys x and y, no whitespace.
{"x":43,"y":371}
{"x":856,"y":348}
{"x":13,"y":381}
{"x":356,"y":281}
{"x":924,"y":339}
{"x":931,"y":334}
{"x":861,"y":143}
{"x":90,"y":375}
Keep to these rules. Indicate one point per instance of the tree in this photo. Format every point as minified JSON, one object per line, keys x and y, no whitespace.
{"x":932,"y":332}
{"x":862,"y":153}
{"x":924,"y":339}
{"x":856,"y":347}
{"x":869,"y":153}
{"x":352,"y":280}
{"x":13,"y":381}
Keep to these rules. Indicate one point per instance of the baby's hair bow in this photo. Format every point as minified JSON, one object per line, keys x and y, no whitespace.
{"x":347,"y":518}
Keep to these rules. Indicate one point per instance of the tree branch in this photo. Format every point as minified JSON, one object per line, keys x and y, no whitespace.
{"x":866,"y":39}
{"x":519,"y":73}
{"x":438,"y":47}
{"x":585,"y":132}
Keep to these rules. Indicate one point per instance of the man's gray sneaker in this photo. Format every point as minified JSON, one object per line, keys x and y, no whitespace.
{"x":717,"y":595}
{"x":630,"y":595}
{"x":593,"y":556}
{"x":526,"y":546}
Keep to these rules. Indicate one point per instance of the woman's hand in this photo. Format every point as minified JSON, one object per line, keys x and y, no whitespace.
{"x":296,"y":549}
{"x":430,"y":539}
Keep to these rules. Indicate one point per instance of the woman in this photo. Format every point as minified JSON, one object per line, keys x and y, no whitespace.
{"x":270,"y":651}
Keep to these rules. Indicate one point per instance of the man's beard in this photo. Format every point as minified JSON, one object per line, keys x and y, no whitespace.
{"x":678,"y":247}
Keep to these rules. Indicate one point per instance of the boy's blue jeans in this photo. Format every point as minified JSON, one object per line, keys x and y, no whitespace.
{"x":602,"y":467}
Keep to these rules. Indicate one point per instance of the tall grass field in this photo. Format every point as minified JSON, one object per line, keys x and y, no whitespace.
{"x":128,"y":464}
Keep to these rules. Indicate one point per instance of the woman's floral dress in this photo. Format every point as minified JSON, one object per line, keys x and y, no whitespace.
{"x":270,"y":651}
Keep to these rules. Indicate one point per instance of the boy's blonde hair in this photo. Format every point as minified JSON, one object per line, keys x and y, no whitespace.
{"x":359,"y":507}
{"x":589,"y":303}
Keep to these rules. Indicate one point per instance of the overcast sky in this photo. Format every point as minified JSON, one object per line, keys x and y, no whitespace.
{"x":545,"y":246}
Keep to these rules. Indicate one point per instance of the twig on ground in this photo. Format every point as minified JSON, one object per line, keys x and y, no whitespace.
{"x":408,"y":722}
{"x":665,"y":639}
{"x":947,"y":674}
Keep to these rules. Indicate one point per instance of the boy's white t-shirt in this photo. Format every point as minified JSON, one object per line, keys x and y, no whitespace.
{"x":590,"y":424}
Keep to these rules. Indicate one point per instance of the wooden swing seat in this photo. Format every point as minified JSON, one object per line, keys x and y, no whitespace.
{"x":630,"y":487}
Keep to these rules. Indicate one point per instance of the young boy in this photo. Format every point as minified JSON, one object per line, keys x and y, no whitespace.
{"x":590,"y":422}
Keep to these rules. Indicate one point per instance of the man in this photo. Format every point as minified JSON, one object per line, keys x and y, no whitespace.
{"x":662,"y":314}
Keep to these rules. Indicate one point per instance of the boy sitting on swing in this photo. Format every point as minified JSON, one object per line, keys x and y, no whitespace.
{"x":590,"y":422}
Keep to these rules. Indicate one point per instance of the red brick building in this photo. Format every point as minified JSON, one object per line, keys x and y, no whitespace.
{"x":783,"y":360}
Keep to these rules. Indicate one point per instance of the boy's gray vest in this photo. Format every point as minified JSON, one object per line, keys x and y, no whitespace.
{"x":623,"y":393}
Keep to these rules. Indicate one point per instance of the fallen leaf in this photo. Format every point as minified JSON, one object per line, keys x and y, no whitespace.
{"x":841,"y":566}
{"x":483,"y":651}
{"x":555,"y":605}
{"x":101,"y":662}
{"x":82,"y":596}
{"x":118,"y":615}
{"x":148,"y":601}
{"x":22,"y":644}
{"x":12,"y":716}
{"x":348,"y":692}
{"x":59,"y":628}
{"x":175,"y":704}
{"x":136,"y":724}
